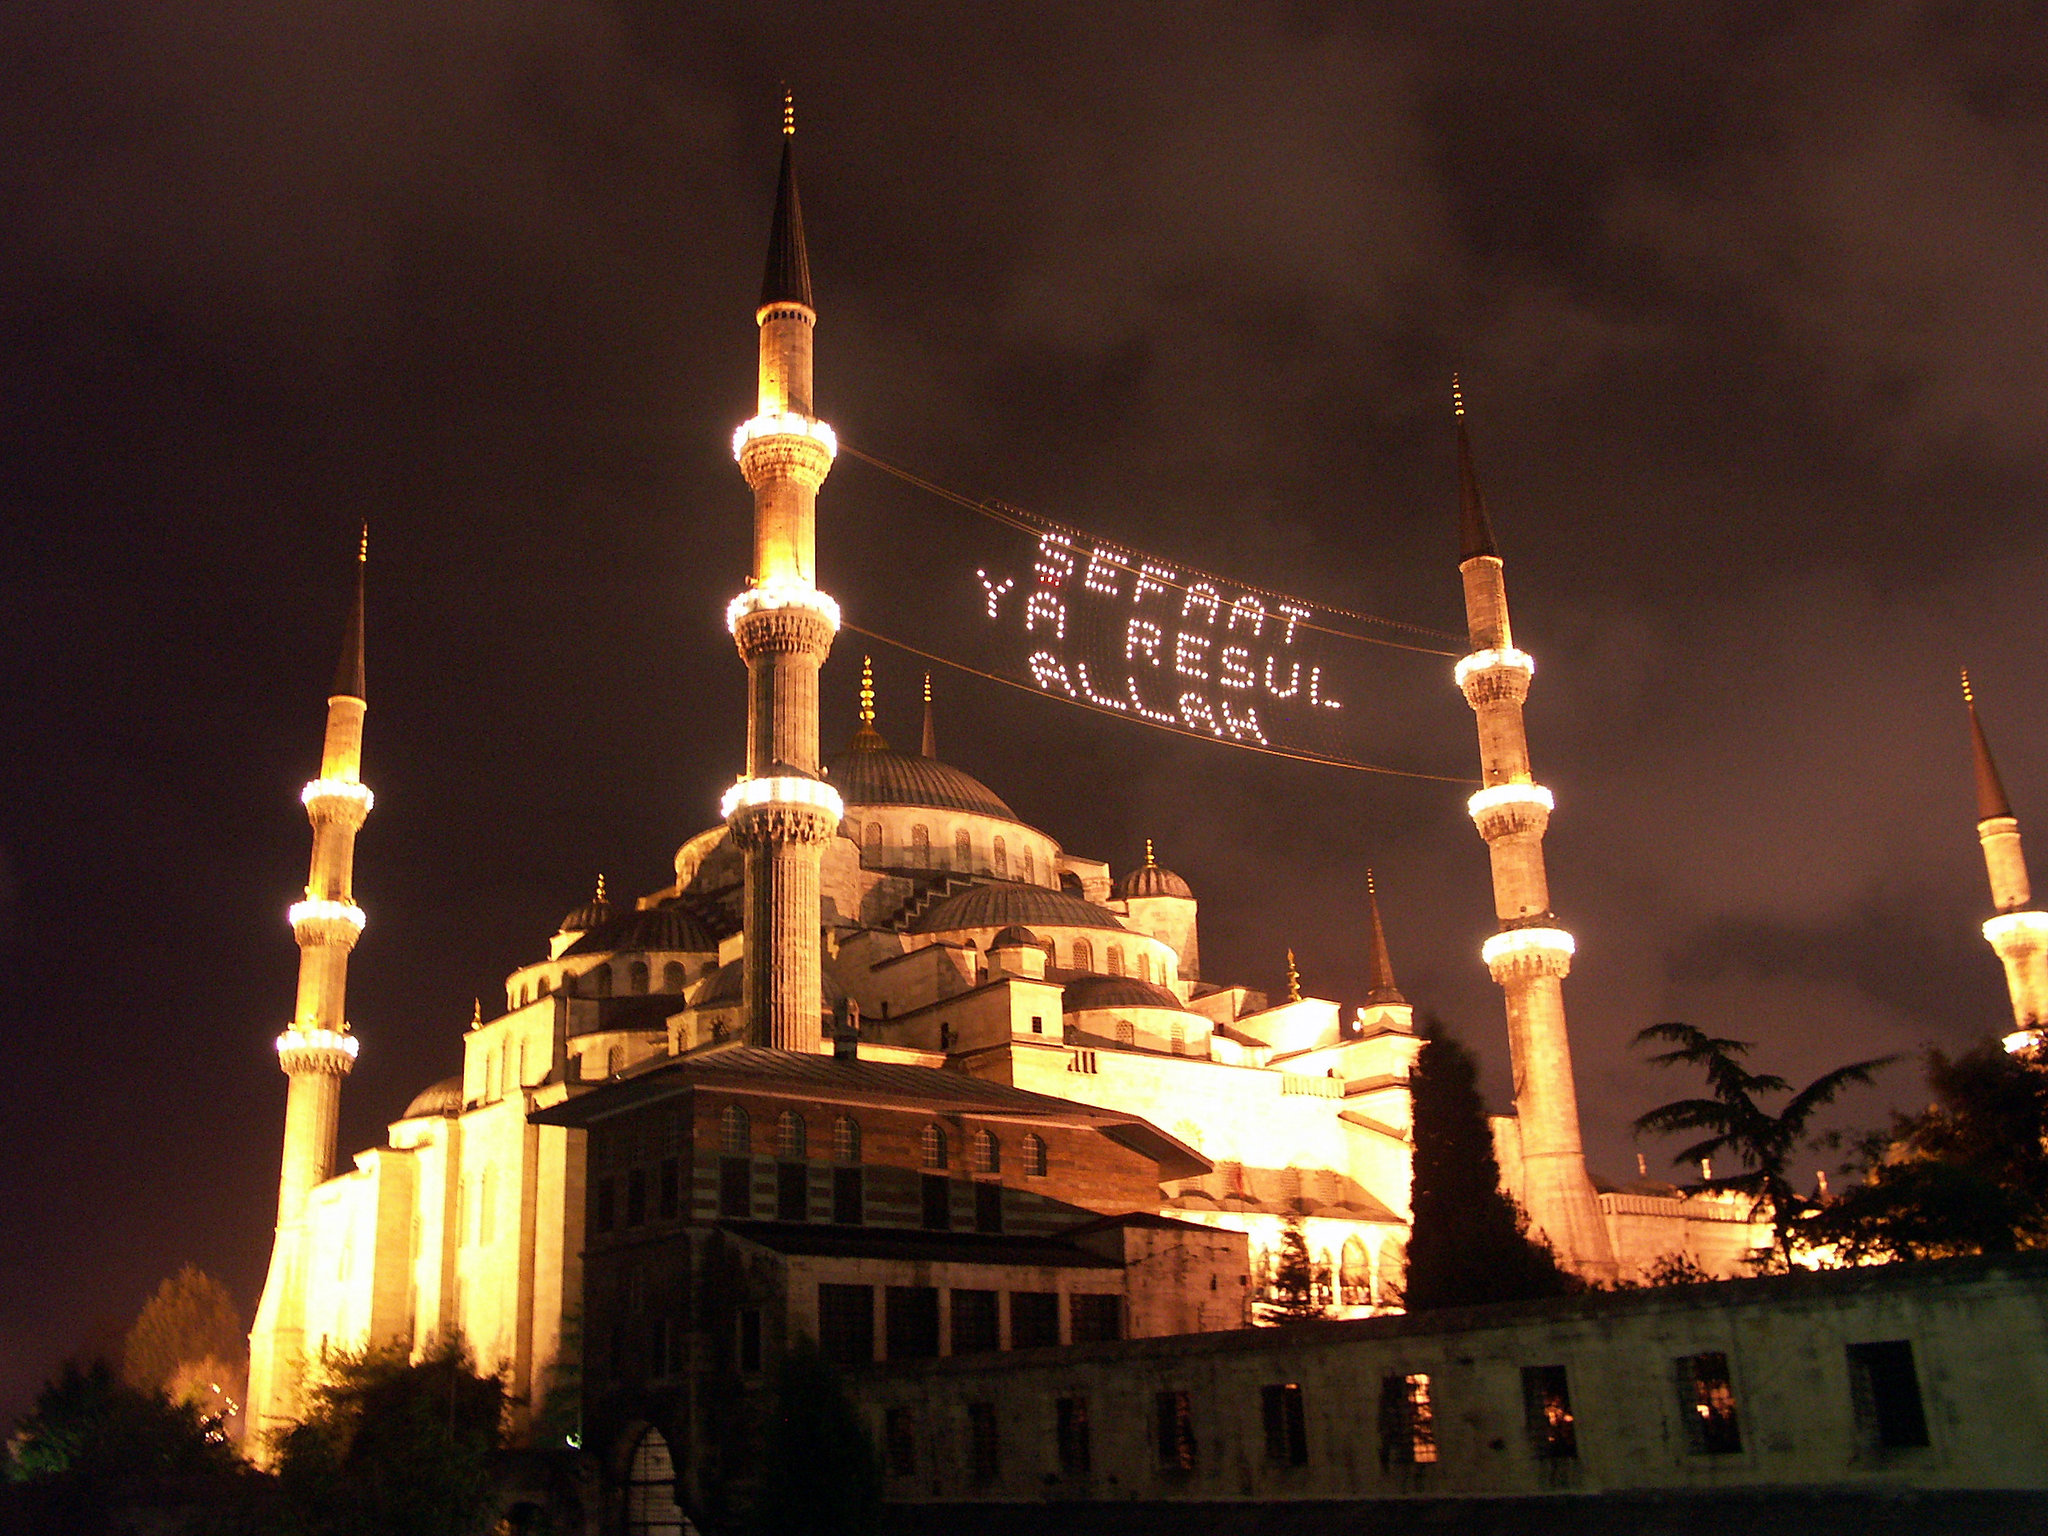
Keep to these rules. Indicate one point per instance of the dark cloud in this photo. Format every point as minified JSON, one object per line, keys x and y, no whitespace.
{"x":1748,"y":304}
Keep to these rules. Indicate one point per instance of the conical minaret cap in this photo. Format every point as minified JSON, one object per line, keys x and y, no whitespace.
{"x":348,"y":677}
{"x":1475,"y":534}
{"x":788,"y":277}
{"x":1991,"y":801}
{"x":1380,"y":967}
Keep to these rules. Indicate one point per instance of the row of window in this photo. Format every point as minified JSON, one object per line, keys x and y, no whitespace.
{"x":910,"y":1321}
{"x":869,"y":836}
{"x":655,"y":1193}
{"x":792,"y":1142}
{"x":598,"y":981}
{"x":1885,"y":1402}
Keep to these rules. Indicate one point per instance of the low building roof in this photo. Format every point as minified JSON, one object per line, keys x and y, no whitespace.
{"x":915,"y":1245}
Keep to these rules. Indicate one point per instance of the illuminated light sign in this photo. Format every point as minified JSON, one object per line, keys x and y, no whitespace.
{"x":317,"y":1040}
{"x":1523,"y":941}
{"x":1482,"y":661}
{"x":313,"y":910}
{"x":1509,"y":794}
{"x":337,"y":789}
{"x":784,"y":424}
{"x":995,"y":593}
{"x":782,"y":791}
{"x":782,"y":592}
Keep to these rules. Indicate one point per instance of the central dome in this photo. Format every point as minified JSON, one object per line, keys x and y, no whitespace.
{"x":881,"y":777}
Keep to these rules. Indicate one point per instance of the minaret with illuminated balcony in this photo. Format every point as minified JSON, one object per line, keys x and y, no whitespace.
{"x":317,"y":1049}
{"x":1530,"y":955}
{"x":781,"y":813}
{"x":2019,"y":932}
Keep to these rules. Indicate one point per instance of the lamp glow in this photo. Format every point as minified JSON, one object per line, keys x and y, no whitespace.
{"x":312,"y":910}
{"x":1496,"y":795}
{"x":2023,"y":926}
{"x":318,"y":1040}
{"x":781,"y":592}
{"x":784,"y":424}
{"x":1520,"y":941}
{"x":1482,"y":661}
{"x":783,"y":791}
{"x":337,"y":789}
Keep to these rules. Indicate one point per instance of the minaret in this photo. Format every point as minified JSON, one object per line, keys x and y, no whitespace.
{"x":1530,"y":955}
{"x":2019,"y":933}
{"x":317,"y":1049}
{"x":780,"y":812}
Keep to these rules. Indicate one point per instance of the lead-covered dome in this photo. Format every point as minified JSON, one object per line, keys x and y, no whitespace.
{"x":875,"y":776}
{"x":1086,"y":992}
{"x":1154,"y":880}
{"x":444,"y":1098}
{"x":1001,"y":904}
{"x":671,"y":926}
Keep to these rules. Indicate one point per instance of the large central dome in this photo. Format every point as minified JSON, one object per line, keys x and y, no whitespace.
{"x":877,"y":776}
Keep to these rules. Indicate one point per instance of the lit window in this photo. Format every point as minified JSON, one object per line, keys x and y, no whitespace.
{"x":988,"y":1153}
{"x":1034,"y":1155}
{"x":1706,"y":1397}
{"x":934,"y":1147}
{"x":790,"y":1137}
{"x":734,"y":1133}
{"x":1084,"y":955}
{"x":1407,"y":1421}
{"x":846,"y":1140}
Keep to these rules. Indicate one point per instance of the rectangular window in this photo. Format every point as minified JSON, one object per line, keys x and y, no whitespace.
{"x":750,"y":1339}
{"x":1706,"y":1397}
{"x":792,"y":1192}
{"x":913,"y":1322}
{"x":606,"y":1214}
{"x":984,"y":1451}
{"x":846,"y":1324}
{"x":849,"y":1196}
{"x":1407,"y":1421}
{"x":899,"y":1442}
{"x":974,"y":1323}
{"x":1034,"y":1319}
{"x":1173,"y":1420}
{"x":736,"y":1187}
{"x":1886,"y":1392}
{"x":671,"y":1187}
{"x":1070,"y":1426}
{"x":988,"y":1207}
{"x":636,"y":1197}
{"x":938,"y":1201}
{"x":1286,"y":1425}
{"x":1547,"y":1413}
{"x":1097,"y":1318}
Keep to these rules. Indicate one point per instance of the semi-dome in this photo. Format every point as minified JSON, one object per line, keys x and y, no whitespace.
{"x":444,"y":1098}
{"x":869,"y":776}
{"x":1004,"y":903}
{"x":671,"y":926}
{"x":1086,"y":992}
{"x":1016,"y":936}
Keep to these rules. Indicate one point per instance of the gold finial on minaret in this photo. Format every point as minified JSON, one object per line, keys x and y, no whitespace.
{"x":363,"y":548}
{"x":476,"y":1013}
{"x":1457,"y":397}
{"x":788,"y":113}
{"x":1968,"y":697}
{"x":1293,"y":980}
{"x":930,"y":744}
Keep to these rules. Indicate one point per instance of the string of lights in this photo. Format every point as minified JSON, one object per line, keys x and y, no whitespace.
{"x":1328,"y":760}
{"x":1037,"y":525}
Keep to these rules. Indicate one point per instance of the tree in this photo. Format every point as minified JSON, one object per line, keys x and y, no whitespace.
{"x":819,"y":1470}
{"x":1294,"y":1279}
{"x":1470,"y":1243}
{"x":188,"y":1343}
{"x":1740,"y":1127}
{"x":393,"y":1447}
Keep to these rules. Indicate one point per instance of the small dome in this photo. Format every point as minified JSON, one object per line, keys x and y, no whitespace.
{"x":672,"y":926}
{"x":1088,"y":992}
{"x":875,"y":777}
{"x":1004,"y":903}
{"x":1153,"y":880}
{"x":1016,"y":936}
{"x":593,"y":912}
{"x":444,"y":1098}
{"x":728,"y":986}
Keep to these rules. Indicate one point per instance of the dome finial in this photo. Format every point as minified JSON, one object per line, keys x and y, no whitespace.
{"x":867,"y":690}
{"x":931,"y":733}
{"x":1293,"y":980}
{"x":1150,"y":862}
{"x":476,"y":1013}
{"x":600,"y":887}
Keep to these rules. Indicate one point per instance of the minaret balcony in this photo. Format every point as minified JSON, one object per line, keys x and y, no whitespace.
{"x":315,"y":921}
{"x":1504,"y":810}
{"x":2018,"y":933}
{"x":341,"y":801}
{"x":1495,"y":676}
{"x":1521,"y":953}
{"x":789,"y":809}
{"x":783,"y":595}
{"x":784,"y":446}
{"x":327,"y":1051}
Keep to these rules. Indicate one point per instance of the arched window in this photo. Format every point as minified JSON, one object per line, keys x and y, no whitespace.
{"x":540,"y":986}
{"x":921,"y":846}
{"x":1392,"y":1282}
{"x":636,"y":978}
{"x":1116,"y":960}
{"x":790,"y":1137}
{"x":1052,"y":957}
{"x":612,"y":1063}
{"x":846,"y":1140}
{"x":1001,"y":854}
{"x":934,"y":1147}
{"x":988,"y":1152}
{"x":1180,"y":1038}
{"x":672,"y":976}
{"x":1070,"y":882}
{"x":871,"y":837}
{"x":1084,"y":955}
{"x":600,"y":980}
{"x":1144,"y":966}
{"x":1126,"y":1032}
{"x":1354,"y":1274}
{"x":651,"y":1508}
{"x":963,"y":850}
{"x":735,"y":1135}
{"x":1030,"y":878}
{"x":1034,"y":1155}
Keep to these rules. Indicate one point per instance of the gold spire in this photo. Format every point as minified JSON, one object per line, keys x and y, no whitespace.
{"x":931,"y":734}
{"x":1293,"y":980}
{"x":476,"y":1013}
{"x":600,"y":887}
{"x":788,"y":113}
{"x":1457,"y":398}
{"x":1150,"y":862}
{"x":865,"y":737}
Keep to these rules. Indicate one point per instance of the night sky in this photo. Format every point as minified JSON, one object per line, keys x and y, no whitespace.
{"x":1749,"y":307}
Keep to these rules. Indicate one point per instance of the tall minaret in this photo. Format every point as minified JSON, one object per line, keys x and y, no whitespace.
{"x":2019,"y":933}
{"x":780,"y":812}
{"x":1530,"y":955}
{"x":317,"y":1049}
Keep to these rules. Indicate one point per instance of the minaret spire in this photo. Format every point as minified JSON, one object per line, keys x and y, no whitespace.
{"x":781,"y":813}
{"x":317,"y":1049}
{"x":1380,"y":967}
{"x":1293,"y":980}
{"x":1530,"y":955}
{"x":930,"y":744}
{"x":2018,"y":934}
{"x":867,"y":738}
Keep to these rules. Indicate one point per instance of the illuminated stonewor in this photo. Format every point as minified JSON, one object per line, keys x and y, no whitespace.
{"x":2019,"y":932}
{"x":781,"y":813}
{"x":1530,"y":955}
{"x":317,"y":1050}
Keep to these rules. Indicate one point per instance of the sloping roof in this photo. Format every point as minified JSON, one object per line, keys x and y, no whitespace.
{"x":873,"y":776}
{"x":915,"y":1244}
{"x":1003,"y":902}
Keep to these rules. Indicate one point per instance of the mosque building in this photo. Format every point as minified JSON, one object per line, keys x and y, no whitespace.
{"x":877,"y":935}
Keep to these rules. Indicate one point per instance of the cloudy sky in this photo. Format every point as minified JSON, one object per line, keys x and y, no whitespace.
{"x":1749,"y":308}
